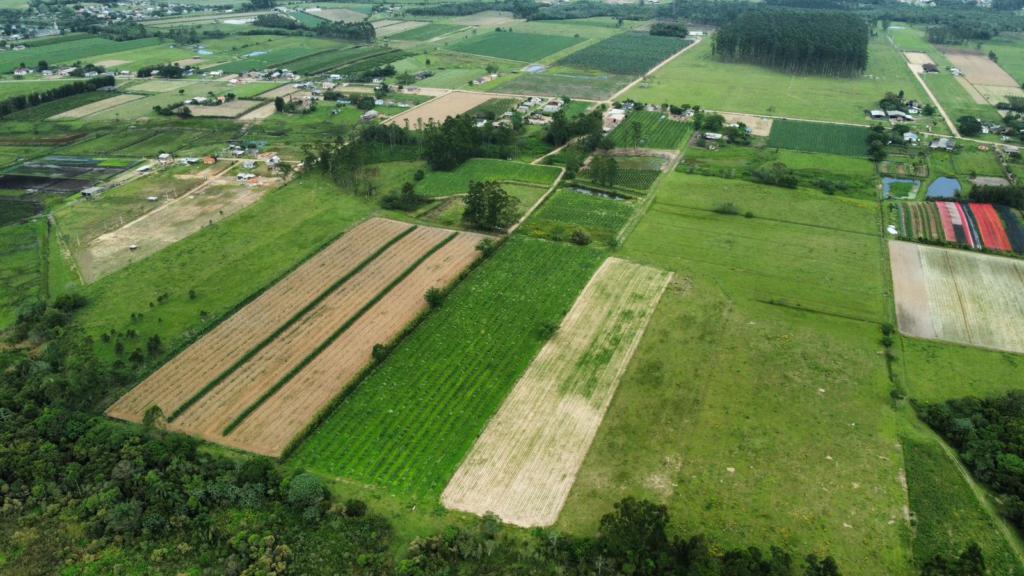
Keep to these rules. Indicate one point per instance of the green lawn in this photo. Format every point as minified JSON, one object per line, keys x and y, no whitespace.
{"x":697,"y":78}
{"x":515,"y":45}
{"x":757,"y":422}
{"x":457,"y":181}
{"x":439,"y":388}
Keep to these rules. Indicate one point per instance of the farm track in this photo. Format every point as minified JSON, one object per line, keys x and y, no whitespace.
{"x":178,"y":381}
{"x":282,"y":417}
{"x":217,"y":409}
{"x":525,"y":463}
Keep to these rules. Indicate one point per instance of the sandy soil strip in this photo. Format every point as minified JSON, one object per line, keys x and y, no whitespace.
{"x":980,"y":70}
{"x":758,"y":125}
{"x":209,"y":416}
{"x":286,"y":415}
{"x":525,"y":463}
{"x":439,"y":109}
{"x":913,"y":311}
{"x":95,"y":107}
{"x":178,"y":380}
{"x":918,"y":60}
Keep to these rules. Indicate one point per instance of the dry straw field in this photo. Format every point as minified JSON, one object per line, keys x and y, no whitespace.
{"x":439,"y":109}
{"x":959,"y":296}
{"x":524,"y":464}
{"x":260,"y":378}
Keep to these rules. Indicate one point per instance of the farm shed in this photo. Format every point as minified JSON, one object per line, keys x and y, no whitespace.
{"x":878,"y":114}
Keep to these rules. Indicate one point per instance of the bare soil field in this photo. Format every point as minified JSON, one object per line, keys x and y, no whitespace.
{"x":758,"y":125}
{"x":288,"y":414}
{"x":281,"y":91}
{"x":199,"y":365}
{"x":918,"y":60}
{"x":258,"y":114}
{"x":93,"y":108}
{"x":524,"y":464}
{"x":439,"y":109}
{"x":230,"y":109}
{"x":160,"y":86}
{"x":214,"y":199}
{"x":398,"y":27}
{"x":339,"y":15}
{"x":996,"y":94}
{"x":214,"y":412}
{"x":976,"y":96}
{"x":959,"y":296}
{"x":979,"y":69}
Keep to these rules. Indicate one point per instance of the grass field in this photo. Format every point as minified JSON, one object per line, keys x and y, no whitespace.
{"x":87,"y":49}
{"x":457,"y":181}
{"x":424,"y":33}
{"x":697,"y":78}
{"x":755,"y":421}
{"x":565,"y":82}
{"x":568,"y":210}
{"x":10,"y":88}
{"x":21,"y":257}
{"x":627,"y":54}
{"x":656,"y":131}
{"x":439,"y":397}
{"x":515,"y":45}
{"x":815,"y":137}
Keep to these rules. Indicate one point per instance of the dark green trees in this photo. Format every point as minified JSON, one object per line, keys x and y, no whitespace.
{"x":489,"y":207}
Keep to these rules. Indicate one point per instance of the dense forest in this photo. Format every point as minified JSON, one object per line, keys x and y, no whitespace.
{"x":811,"y":42}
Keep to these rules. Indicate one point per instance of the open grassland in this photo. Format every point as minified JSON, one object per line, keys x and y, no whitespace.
{"x":656,"y":131}
{"x":568,"y":210}
{"x":627,"y":54}
{"x":9,"y":88}
{"x":85,"y":49}
{"x":438,"y":396}
{"x":565,"y":82}
{"x":696,"y":77}
{"x":21,"y":269}
{"x":947,"y":514}
{"x":515,"y":45}
{"x":755,"y":421}
{"x":526,"y":461}
{"x":55,"y":107}
{"x":240,"y":256}
{"x":439,"y":184}
{"x":959,"y":296}
{"x":428,"y":32}
{"x":938,"y":371}
{"x":817,"y":137}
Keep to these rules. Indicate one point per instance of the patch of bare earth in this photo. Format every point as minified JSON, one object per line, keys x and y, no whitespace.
{"x":759,"y":126}
{"x":979,"y":69}
{"x":439,"y":109}
{"x":524,"y":464}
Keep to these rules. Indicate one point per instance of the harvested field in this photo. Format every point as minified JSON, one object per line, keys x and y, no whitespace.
{"x":396,"y":27}
{"x":917,"y":60}
{"x":996,"y":94}
{"x":93,"y":108}
{"x":973,"y":92}
{"x":959,"y":296}
{"x":486,"y":19}
{"x":526,"y":461}
{"x":258,"y":114}
{"x":437,"y":110}
{"x":171,"y":386}
{"x":759,"y":125}
{"x":980,"y":70}
{"x":338,"y":15}
{"x":230,"y":109}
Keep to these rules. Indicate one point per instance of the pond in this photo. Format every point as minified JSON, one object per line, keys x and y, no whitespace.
{"x":944,"y":188}
{"x":900,"y":188}
{"x":203,"y":52}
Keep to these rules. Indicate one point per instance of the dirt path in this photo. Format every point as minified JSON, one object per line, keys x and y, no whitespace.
{"x":935,"y":101}
{"x":537,"y":204}
{"x":629,"y":86}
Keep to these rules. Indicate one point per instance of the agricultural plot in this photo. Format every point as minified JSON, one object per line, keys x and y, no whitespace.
{"x":439,"y":397}
{"x":61,"y":174}
{"x":337,"y":14}
{"x":93,"y":107}
{"x":428,"y":32}
{"x":84,"y":49}
{"x":515,"y":45}
{"x":54,"y":107}
{"x":973,"y":225}
{"x":396,"y":27}
{"x":578,"y":84}
{"x":231,"y":109}
{"x":21,"y":253}
{"x":655,"y":130}
{"x":571,"y":209}
{"x":440,"y":184}
{"x":439,"y":109}
{"x":628,"y":54}
{"x":526,"y":461}
{"x":816,"y":137}
{"x":314,"y":338}
{"x":959,"y":296}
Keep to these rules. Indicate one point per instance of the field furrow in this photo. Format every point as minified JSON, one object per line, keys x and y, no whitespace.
{"x":199,"y":365}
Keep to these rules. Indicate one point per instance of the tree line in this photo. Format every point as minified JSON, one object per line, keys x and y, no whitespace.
{"x":803,"y":42}
{"x":14,"y":103}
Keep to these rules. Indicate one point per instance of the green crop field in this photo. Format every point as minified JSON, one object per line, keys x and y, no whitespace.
{"x":564,"y":82}
{"x":66,"y":52}
{"x":696,"y":77}
{"x":424,"y":33}
{"x":628,"y":54}
{"x":20,"y":267}
{"x":515,"y":45}
{"x":457,"y":181}
{"x":10,"y":88}
{"x":440,"y":387}
{"x":568,"y":210}
{"x":656,"y":131}
{"x":816,"y":137}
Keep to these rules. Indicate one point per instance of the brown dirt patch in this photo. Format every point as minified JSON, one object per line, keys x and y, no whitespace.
{"x":525,"y":463}
{"x":230,"y":109}
{"x":976,"y":96}
{"x":980,"y":70}
{"x":918,"y":60}
{"x":258,"y":114}
{"x":758,"y":125}
{"x":439,"y":109}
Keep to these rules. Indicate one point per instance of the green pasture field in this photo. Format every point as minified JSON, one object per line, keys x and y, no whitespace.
{"x":424,"y":33}
{"x":86,"y":49}
{"x":20,"y":267}
{"x":306,"y":19}
{"x":657,"y":131}
{"x":136,"y":58}
{"x":449,"y":213}
{"x":562,"y":82}
{"x":278,"y":55}
{"x":48,"y":109}
{"x":818,"y":137}
{"x":696,"y":77}
{"x":437,"y":184}
{"x":630,"y":54}
{"x":947,"y":513}
{"x":568,"y":210}
{"x":143,"y":107}
{"x":10,"y":88}
{"x":938,"y":371}
{"x":225,"y":263}
{"x":515,"y":45}
{"x":438,"y":396}
{"x":452,"y":69}
{"x":756,"y":407}
{"x":333,"y":59}
{"x":1009,"y":48}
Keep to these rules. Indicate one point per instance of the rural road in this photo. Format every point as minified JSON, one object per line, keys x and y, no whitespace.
{"x":935,"y":101}
{"x":651,"y":71}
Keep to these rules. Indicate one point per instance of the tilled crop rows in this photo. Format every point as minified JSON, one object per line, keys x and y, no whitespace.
{"x":261,"y":377}
{"x":526,"y":461}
